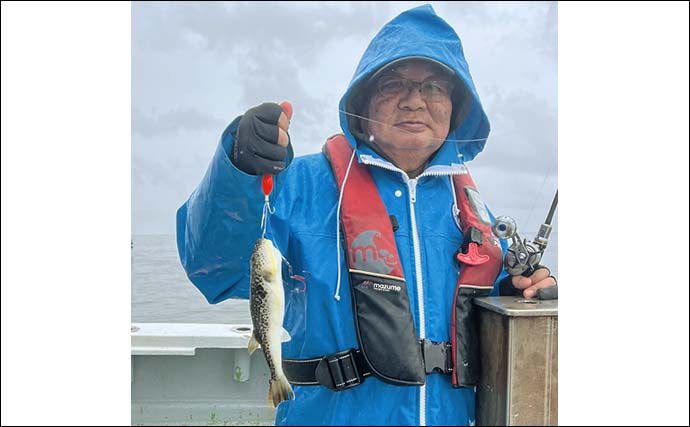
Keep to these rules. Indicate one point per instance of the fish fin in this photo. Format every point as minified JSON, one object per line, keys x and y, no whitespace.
{"x":279,"y":390}
{"x":253,"y":345}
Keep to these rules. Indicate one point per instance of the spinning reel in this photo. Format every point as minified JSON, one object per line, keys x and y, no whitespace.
{"x":523,"y":256}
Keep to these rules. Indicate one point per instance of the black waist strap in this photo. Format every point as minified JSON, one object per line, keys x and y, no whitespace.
{"x":346,"y":369}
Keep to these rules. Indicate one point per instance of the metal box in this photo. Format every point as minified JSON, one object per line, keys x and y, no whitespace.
{"x":518,"y":341}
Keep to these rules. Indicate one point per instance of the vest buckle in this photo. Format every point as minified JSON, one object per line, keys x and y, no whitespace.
{"x":339,"y":371}
{"x":437,"y":356}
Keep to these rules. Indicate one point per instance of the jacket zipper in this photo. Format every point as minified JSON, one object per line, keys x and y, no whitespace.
{"x":412,"y":188}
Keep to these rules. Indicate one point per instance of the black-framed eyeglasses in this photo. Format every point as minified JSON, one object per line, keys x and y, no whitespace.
{"x":430,"y":90}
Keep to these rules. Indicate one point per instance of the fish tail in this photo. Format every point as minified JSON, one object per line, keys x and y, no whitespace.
{"x":279,"y":390}
{"x":253,"y":345}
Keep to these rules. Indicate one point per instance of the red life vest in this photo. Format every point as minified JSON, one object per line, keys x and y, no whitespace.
{"x":383,"y":319}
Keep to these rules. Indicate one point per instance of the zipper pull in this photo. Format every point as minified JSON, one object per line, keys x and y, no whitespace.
{"x":412,"y":186}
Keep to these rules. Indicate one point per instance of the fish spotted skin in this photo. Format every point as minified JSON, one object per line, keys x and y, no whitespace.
{"x":266,"y":304}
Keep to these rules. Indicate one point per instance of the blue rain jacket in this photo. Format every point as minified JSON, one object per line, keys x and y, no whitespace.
{"x":219,"y":224}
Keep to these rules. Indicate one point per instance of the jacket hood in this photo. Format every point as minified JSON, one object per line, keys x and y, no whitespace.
{"x":419,"y":32}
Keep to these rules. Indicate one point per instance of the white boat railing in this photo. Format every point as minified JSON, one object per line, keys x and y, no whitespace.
{"x":198,"y":374}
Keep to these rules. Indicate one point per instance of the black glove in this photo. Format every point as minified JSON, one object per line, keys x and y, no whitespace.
{"x":506,"y":288}
{"x":256,"y":150}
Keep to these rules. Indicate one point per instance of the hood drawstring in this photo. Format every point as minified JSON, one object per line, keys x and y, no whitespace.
{"x":337,"y":221}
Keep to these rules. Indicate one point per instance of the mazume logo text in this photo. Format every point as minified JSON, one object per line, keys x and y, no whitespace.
{"x":382,"y":287}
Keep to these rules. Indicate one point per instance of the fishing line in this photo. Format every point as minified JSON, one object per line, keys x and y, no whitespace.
{"x":267,"y":210}
{"x":411,"y":133}
{"x":534,"y":204}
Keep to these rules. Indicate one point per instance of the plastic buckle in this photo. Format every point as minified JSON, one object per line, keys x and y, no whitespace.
{"x":437,"y":357}
{"x":338,"y":371}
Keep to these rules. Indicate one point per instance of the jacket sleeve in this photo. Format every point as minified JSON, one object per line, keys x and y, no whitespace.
{"x":219,"y":224}
{"x":496,"y":289}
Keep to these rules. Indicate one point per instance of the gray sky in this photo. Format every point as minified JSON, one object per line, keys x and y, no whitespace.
{"x":196,"y":66}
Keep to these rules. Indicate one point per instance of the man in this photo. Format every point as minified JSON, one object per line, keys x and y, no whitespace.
{"x":386,"y":334}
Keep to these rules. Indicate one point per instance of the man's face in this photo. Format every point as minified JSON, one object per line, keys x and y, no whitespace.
{"x":410,"y":108}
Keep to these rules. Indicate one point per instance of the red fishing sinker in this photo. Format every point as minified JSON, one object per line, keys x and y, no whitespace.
{"x":267,"y":184}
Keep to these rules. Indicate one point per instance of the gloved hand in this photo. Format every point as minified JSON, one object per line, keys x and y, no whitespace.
{"x":261,"y":142}
{"x":540,"y":278}
{"x":514,"y":285}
